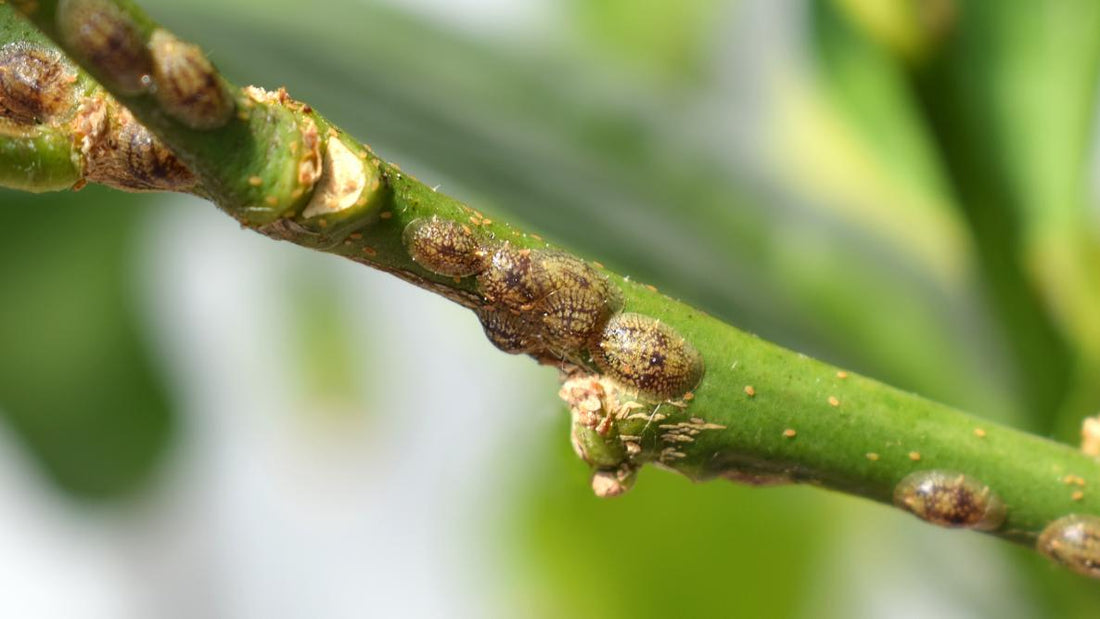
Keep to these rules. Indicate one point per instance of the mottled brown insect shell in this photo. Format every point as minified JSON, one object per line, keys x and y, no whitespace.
{"x":100,"y":32}
{"x":950,"y":499}
{"x":444,"y":247}
{"x":515,"y":278}
{"x":648,"y":355}
{"x":35,"y":84}
{"x":1073,"y":541}
{"x":518,"y":278}
{"x":574,"y":317}
{"x":187,"y":86}
{"x":512,"y":333}
{"x":564,"y":300}
{"x":121,"y":153}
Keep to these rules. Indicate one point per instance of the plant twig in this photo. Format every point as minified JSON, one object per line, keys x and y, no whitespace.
{"x":648,"y":379}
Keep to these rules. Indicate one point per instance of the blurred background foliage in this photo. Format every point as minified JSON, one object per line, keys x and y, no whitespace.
{"x":903,"y":187}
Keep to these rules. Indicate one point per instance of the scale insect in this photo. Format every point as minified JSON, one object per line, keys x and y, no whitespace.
{"x":950,"y":499}
{"x":649,"y":356}
{"x":552,"y":305}
{"x":1074,"y":542}
{"x":36,"y":84}
{"x":445,"y":247}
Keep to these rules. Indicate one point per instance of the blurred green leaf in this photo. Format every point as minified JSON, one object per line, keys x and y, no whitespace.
{"x":334,"y":373}
{"x":77,"y":384}
{"x":666,"y":39}
{"x":1030,"y":76}
{"x":1009,"y":98}
{"x":869,"y":87}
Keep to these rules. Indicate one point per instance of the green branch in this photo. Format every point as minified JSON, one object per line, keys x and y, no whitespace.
{"x":647,"y":379}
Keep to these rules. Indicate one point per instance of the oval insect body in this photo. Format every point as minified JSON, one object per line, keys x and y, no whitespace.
{"x":950,"y":499}
{"x":648,"y":355}
{"x":514,"y":278}
{"x":1073,"y":541}
{"x":554,"y":304}
{"x":100,"y":32}
{"x":563,"y":271}
{"x":519,"y":278}
{"x":512,"y":333}
{"x":130,"y":157}
{"x":445,"y":247}
{"x":572,"y":318}
{"x":187,"y":86}
{"x":35,"y":84}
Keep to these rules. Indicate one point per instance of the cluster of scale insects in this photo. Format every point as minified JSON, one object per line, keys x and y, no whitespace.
{"x":553,"y":306}
{"x":38,"y":87}
{"x":952,"y":499}
{"x":177,"y":74}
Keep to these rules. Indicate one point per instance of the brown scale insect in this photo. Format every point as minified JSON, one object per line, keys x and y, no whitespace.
{"x":519,"y":278}
{"x":648,"y":355}
{"x":1073,"y":541}
{"x":573,"y":317}
{"x":187,"y":86}
{"x":569,"y":301}
{"x":127,"y":156}
{"x":36,"y":84}
{"x":514,"y":278}
{"x":562,"y":270}
{"x":512,"y":333}
{"x":445,"y":247}
{"x":100,"y":32}
{"x":950,"y":499}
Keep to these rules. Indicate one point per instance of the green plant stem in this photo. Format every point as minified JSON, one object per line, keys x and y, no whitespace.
{"x":38,"y":160}
{"x":760,"y":412}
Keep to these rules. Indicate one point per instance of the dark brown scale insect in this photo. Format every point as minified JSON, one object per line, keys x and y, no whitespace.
{"x":512,"y":333}
{"x":1073,"y":541}
{"x":574,"y":317}
{"x":100,"y":32}
{"x":514,"y":278}
{"x":520,"y":278}
{"x":645,"y":354}
{"x":187,"y":86}
{"x":567,"y":301}
{"x":36,"y":84}
{"x":950,"y":499}
{"x":445,"y":247}
{"x":125,"y":155}
{"x":561,"y":271}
